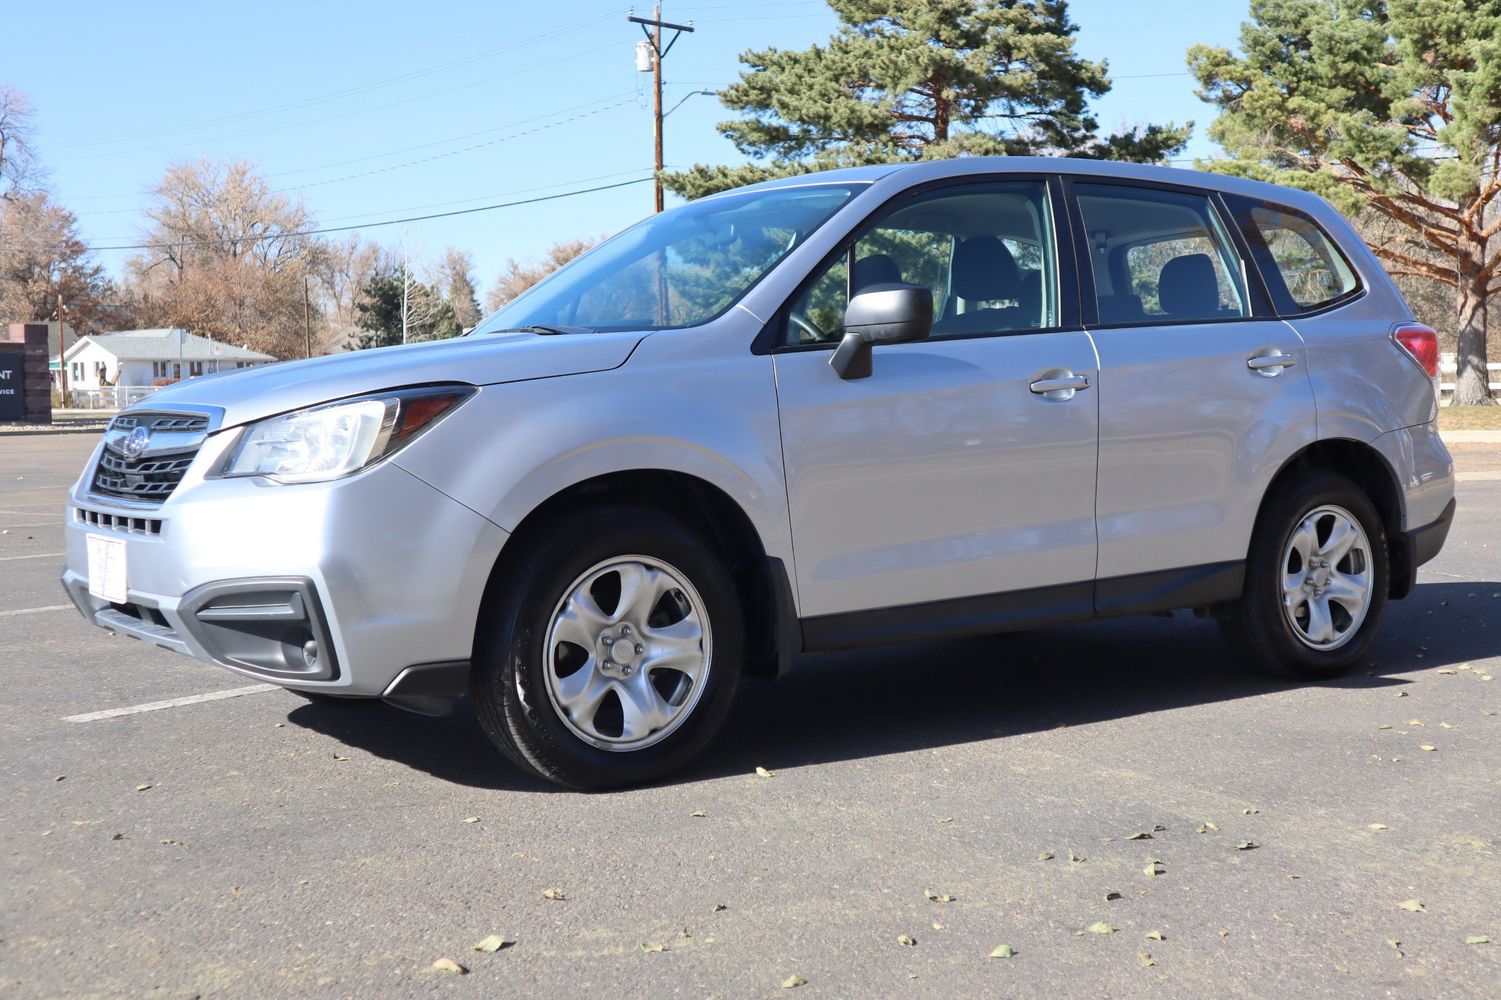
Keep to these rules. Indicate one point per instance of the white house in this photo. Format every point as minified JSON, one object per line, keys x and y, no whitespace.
{"x":145,"y":357}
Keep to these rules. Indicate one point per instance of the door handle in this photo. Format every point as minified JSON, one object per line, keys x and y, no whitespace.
{"x":1059,"y":383}
{"x":1270,"y":362}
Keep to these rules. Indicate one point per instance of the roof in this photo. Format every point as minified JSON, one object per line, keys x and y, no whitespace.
{"x":167,"y":344}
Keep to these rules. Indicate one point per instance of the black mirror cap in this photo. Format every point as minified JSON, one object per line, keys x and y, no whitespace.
{"x":890,"y":313}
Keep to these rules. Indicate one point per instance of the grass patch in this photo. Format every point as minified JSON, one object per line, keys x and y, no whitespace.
{"x":1469,"y":418}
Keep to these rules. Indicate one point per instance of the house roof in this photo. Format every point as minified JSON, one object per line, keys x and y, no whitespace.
{"x":168,"y":344}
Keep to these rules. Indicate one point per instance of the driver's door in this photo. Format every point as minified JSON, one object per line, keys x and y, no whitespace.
{"x":950,"y":488}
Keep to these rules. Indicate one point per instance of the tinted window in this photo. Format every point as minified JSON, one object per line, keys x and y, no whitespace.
{"x":985,"y":251}
{"x":1160,"y":256}
{"x":1302,"y":265}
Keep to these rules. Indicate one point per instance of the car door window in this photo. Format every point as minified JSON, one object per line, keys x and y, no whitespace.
{"x":1303,"y":266}
{"x":985,"y":251}
{"x":1160,"y":256}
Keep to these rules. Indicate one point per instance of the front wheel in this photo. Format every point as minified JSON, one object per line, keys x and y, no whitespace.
{"x":1316,"y":580}
{"x":613,"y":652}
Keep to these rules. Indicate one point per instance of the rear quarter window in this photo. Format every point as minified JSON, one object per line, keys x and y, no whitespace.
{"x":1304,"y":268}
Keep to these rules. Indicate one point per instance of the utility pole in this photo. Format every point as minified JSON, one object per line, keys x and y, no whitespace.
{"x":652,"y":28}
{"x":307,"y":322}
{"x":62,"y":349}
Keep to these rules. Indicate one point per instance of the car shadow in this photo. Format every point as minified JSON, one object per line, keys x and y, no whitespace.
{"x":868,"y":703}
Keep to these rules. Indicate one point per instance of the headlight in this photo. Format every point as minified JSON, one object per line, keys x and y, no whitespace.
{"x":339,"y":439}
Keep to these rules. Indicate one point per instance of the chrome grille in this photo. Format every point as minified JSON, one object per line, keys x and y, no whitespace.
{"x":185,"y":423}
{"x":172,"y":441}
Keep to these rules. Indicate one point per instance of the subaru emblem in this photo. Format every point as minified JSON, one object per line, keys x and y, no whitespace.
{"x":134,"y":445}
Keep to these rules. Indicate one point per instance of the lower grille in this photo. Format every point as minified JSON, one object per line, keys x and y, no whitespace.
{"x":117,"y":522}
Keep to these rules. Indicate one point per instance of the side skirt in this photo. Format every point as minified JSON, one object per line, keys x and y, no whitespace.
{"x":1142,"y":593}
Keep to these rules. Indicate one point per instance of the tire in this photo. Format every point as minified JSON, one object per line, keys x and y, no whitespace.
{"x":566,"y":693}
{"x":1280,"y":631}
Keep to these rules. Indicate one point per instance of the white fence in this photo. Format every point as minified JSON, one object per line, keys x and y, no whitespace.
{"x":111,"y":397}
{"x":1448,"y":371}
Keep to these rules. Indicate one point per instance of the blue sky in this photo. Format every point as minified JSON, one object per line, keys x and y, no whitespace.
{"x":381,"y":110}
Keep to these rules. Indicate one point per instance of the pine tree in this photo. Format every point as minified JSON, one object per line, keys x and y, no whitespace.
{"x":1392,"y":108}
{"x":922,"y":79}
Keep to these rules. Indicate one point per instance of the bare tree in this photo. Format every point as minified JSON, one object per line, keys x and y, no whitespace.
{"x":45,"y":260}
{"x":341,"y":272}
{"x":455,"y":280}
{"x":518,"y":276}
{"x":228,"y":257}
{"x":19,"y":171}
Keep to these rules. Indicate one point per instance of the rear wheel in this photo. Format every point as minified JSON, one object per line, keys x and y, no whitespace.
{"x":1316,"y":580}
{"x":613,"y":653}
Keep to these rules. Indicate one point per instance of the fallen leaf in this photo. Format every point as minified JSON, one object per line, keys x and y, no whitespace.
{"x":1376,"y":826}
{"x":1156,"y":936}
{"x":1384,"y":725}
{"x":1100,"y":927}
{"x":1140,"y":836}
{"x":1206,"y":827}
{"x":1394,"y":944}
{"x":1401,"y":694}
{"x":1159,"y":828}
{"x":937,"y":898}
{"x":1427,"y":747}
{"x":1145,"y":959}
{"x":117,"y":836}
{"x":1153,"y":868}
{"x":1252,"y":811}
{"x":1076,"y":858}
{"x":471,"y":819}
{"x":1446,"y":671}
{"x":1003,"y":951}
{"x":1112,"y":895}
{"x":697,"y":814}
{"x":937,"y":926}
{"x":793,"y":981}
{"x":491,"y":944}
{"x":1045,"y":856}
{"x":1412,"y":906}
{"x":1280,"y":918}
{"x":906,"y":939}
{"x":1224,"y":932}
{"x":652,"y":947}
{"x":1477,"y":939}
{"x":761,"y":772}
{"x":142,"y":788}
{"x":337,"y":757}
{"x":1486,"y":711}
{"x":945,"y":819}
{"x":450,"y":966}
{"x":1446,"y":725}
{"x":553,"y":894}
{"x":61,"y":777}
{"x":1414,"y":722}
{"x":1246,"y":845}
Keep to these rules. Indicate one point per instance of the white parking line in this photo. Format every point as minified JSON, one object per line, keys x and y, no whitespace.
{"x":1477,"y":477}
{"x":33,"y":524}
{"x":157,"y":706}
{"x":38,"y":555}
{"x":34,"y":611}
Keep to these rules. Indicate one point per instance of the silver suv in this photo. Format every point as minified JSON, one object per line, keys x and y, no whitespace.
{"x":858,"y":407}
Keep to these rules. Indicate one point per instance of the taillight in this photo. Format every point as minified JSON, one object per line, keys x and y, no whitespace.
{"x":1421,"y":344}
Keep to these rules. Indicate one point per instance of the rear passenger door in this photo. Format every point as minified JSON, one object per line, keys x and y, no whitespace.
{"x":1203,"y":392}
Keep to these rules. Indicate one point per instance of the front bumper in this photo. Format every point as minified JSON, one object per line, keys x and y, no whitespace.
{"x":336,"y":587}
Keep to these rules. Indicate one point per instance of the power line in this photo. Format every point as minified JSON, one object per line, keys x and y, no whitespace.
{"x":324,"y":230}
{"x":348,"y":114}
{"x":338,"y":94}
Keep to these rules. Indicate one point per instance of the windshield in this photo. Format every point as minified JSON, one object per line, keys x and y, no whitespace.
{"x":679,"y":268}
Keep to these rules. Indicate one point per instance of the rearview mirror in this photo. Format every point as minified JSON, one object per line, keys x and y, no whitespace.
{"x":892,"y":313}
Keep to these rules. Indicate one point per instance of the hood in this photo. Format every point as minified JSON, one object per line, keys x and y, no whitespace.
{"x":488,"y":359}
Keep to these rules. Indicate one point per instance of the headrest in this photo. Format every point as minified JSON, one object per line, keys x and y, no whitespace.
{"x":984,"y":270}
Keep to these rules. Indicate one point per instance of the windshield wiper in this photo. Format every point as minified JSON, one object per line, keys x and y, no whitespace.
{"x":548,"y":330}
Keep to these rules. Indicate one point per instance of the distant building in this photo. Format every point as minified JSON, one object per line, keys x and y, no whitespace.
{"x":145,"y":357}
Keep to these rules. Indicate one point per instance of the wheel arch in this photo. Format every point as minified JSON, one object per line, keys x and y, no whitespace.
{"x":762,"y":580}
{"x":1365,"y":466}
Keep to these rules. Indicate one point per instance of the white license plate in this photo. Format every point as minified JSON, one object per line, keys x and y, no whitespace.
{"x":107,"y":568}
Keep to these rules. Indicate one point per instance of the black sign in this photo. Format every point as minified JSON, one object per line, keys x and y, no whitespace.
{"x":12,"y":387}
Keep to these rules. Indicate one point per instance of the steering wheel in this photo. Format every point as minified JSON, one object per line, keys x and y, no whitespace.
{"x":807,"y":333}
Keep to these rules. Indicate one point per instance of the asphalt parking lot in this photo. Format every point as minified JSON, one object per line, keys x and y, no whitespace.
{"x":1341,"y":840}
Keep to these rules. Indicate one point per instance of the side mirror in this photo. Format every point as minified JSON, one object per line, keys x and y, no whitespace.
{"x":881,"y":314}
